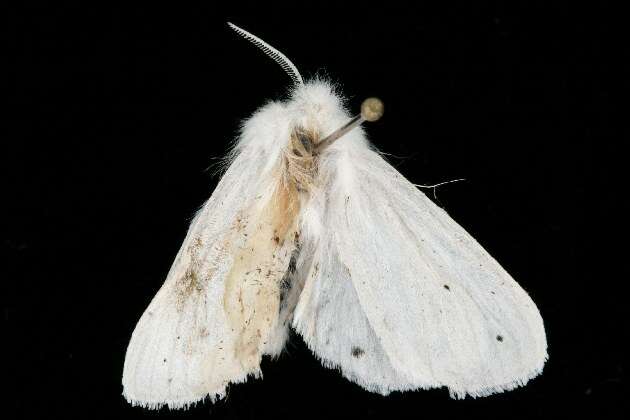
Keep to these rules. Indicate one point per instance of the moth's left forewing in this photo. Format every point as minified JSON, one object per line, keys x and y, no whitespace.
{"x":217,"y":312}
{"x":183,"y":335}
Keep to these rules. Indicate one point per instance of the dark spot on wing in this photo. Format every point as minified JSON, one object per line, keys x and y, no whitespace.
{"x":357,"y":352}
{"x":293,"y":263}
{"x":286,"y":282}
{"x":446,"y":287}
{"x":499,"y":338}
{"x":285,"y":286}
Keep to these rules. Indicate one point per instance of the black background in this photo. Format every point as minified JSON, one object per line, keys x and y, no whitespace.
{"x":117,"y":114}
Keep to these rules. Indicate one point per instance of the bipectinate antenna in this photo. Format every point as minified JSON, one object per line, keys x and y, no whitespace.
{"x":276,"y":55}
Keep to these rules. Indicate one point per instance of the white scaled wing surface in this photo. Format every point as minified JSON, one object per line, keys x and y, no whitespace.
{"x":213,"y":318}
{"x":399,"y":296}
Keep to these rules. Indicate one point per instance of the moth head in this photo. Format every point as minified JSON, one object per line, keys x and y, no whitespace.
{"x":320,"y":118}
{"x":315,"y":109}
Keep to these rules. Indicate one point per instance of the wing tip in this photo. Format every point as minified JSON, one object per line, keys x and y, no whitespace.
{"x":186,"y":401}
{"x":484,"y":390}
{"x":172,"y":403}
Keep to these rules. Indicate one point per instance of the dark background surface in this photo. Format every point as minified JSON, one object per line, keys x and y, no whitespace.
{"x":116,"y":114}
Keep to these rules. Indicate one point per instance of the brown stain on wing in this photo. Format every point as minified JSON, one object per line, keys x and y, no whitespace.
{"x":252,"y":288}
{"x":191,"y":283}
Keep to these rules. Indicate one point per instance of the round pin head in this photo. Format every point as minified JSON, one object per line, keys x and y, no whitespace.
{"x":372,"y":109}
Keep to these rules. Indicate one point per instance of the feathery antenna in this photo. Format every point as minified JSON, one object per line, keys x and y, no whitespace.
{"x":276,"y":55}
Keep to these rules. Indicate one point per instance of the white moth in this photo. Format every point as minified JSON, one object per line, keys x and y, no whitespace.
{"x":312,"y":229}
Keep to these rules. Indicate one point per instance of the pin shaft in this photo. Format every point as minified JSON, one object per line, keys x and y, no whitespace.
{"x":330,"y":139}
{"x":371,"y":110}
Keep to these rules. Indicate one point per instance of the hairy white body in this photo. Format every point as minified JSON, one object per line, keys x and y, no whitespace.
{"x":379,"y":281}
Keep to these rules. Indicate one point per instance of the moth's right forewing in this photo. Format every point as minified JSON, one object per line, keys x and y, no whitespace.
{"x":433,"y":308}
{"x":446,"y":312}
